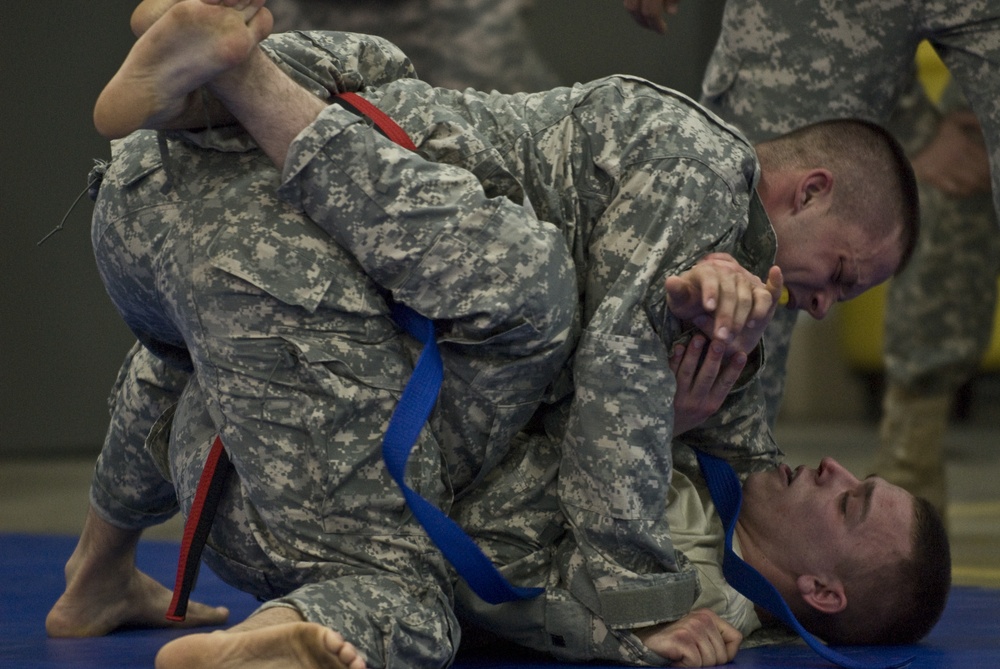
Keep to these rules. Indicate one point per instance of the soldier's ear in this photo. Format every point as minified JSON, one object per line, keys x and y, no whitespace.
{"x":815,"y":188}
{"x":824,"y":594}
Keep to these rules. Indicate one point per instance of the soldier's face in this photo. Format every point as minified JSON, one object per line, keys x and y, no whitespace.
{"x":824,"y":261}
{"x":813,"y":520}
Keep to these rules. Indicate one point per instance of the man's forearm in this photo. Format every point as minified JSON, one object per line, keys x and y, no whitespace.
{"x":267,"y":103}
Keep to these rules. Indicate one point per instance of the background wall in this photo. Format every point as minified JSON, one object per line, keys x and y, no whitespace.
{"x":60,"y":340}
{"x":587,"y":39}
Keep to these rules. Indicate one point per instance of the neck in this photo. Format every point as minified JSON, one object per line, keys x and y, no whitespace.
{"x":756,"y":554}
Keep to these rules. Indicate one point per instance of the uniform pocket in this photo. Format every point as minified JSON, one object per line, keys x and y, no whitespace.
{"x":291,"y":260}
{"x":720,"y":75}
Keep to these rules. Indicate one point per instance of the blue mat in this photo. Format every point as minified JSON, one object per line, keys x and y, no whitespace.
{"x":967,"y":637}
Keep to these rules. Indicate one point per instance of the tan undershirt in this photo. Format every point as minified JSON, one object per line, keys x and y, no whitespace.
{"x":696,"y":531}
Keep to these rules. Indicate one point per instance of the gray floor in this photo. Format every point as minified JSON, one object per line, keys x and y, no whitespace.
{"x":50,"y":496}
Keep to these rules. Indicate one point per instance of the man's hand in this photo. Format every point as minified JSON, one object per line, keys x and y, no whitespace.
{"x":702,"y":382}
{"x":699,"y":639}
{"x":649,"y":13}
{"x":725,"y":300}
{"x":955,"y":161}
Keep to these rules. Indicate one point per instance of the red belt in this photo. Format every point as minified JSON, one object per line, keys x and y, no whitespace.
{"x":211,"y":485}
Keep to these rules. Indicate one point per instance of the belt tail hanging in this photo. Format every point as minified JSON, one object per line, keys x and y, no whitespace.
{"x":411,"y":414}
{"x":211,"y":486}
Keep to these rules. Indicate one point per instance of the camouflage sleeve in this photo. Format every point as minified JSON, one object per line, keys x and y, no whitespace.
{"x":427,"y":233}
{"x":333,"y":62}
{"x":484,"y":44}
{"x":951,"y":279}
{"x":617,"y":461}
{"x":514,"y":516}
{"x":738,"y":432}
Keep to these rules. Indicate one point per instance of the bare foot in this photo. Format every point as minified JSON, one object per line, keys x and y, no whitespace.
{"x":149,"y":11}
{"x":104,"y":590}
{"x":298,"y":645}
{"x":191,"y":43}
{"x":89,"y":608}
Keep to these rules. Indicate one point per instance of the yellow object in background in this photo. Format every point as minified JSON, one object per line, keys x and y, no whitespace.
{"x":931,"y":71}
{"x":861,"y":332}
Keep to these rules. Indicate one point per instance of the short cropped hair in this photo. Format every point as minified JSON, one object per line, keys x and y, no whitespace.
{"x":875,"y":180}
{"x":898,"y":603}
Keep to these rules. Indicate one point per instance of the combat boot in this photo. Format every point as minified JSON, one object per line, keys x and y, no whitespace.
{"x":911,"y":444}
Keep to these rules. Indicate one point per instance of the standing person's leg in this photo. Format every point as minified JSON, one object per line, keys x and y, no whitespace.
{"x":939,"y":317}
{"x":967,"y":37}
{"x":782,"y":64}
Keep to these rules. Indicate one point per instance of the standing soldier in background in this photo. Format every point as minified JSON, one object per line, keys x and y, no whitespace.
{"x":939,"y":311}
{"x":482,"y":44}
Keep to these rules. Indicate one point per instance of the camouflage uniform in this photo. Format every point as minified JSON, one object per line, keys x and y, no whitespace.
{"x":482,"y":44}
{"x":951,"y":281}
{"x":938,"y":316}
{"x":516,"y":519}
{"x":298,"y":364}
{"x":779,"y":65}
